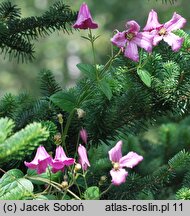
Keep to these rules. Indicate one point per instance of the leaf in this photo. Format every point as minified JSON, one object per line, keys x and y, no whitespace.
{"x":14,"y":187}
{"x":105,"y":88}
{"x":144,"y":76}
{"x":92,"y":193}
{"x":67,"y":101}
{"x":87,"y":70}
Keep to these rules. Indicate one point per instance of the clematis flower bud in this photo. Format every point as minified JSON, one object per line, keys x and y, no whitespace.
{"x":83,"y":159}
{"x":84,"y":135}
{"x":84,"y":19}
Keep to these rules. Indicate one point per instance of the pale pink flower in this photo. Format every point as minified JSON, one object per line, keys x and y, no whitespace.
{"x":83,"y":159}
{"x":130,"y":160}
{"x":41,"y":161}
{"x":130,"y":39}
{"x":165,"y":31}
{"x":84,"y":19}
{"x":83,"y":135}
{"x":61,"y":160}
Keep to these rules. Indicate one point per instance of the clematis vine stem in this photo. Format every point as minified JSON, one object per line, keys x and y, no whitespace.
{"x":69,"y":119}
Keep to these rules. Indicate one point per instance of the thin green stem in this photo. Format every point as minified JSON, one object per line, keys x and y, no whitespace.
{"x":85,"y":182}
{"x":67,"y":128}
{"x":109,"y":62}
{"x":74,"y":194}
{"x":106,"y":190}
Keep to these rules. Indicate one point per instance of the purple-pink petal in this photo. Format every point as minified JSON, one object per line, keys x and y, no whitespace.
{"x":84,"y":135}
{"x":83,"y":159}
{"x":84,"y":19}
{"x":61,"y":160}
{"x":115,"y":153}
{"x":118,"y":176}
{"x":174,"y":41}
{"x":175,"y":23}
{"x":144,"y":40}
{"x":41,"y":160}
{"x":152,"y":22}
{"x":131,"y":51}
{"x":132,"y":27}
{"x":119,"y":39}
{"x":130,"y":160}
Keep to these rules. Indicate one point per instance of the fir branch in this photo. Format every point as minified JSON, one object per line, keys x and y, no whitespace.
{"x":59,"y":17}
{"x":14,"y":147}
{"x":48,"y":84}
{"x":8,"y":11}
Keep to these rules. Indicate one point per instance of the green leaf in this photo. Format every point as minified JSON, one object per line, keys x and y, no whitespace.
{"x":105,"y":88}
{"x":14,"y":187}
{"x":67,"y":101}
{"x":92,"y":193}
{"x":144,"y":76}
{"x":87,"y":70}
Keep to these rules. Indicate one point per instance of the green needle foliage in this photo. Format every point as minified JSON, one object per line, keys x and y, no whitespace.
{"x":22,"y":143}
{"x":17,"y":33}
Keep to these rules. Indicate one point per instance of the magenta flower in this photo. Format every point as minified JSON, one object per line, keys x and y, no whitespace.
{"x":130,"y":39}
{"x":84,"y":19}
{"x":41,"y":160}
{"x":165,"y":31}
{"x":61,"y":160}
{"x":83,"y":159}
{"x":84,"y":135}
{"x":130,"y":160}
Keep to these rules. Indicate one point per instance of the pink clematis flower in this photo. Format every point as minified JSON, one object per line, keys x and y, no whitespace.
{"x":83,"y":159}
{"x":61,"y":160}
{"x":84,"y":135}
{"x":130,"y":39}
{"x":84,"y":19}
{"x":41,"y":160}
{"x":164,"y":31}
{"x":130,"y":160}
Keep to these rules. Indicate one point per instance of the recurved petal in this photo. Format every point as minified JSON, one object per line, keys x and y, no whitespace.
{"x":115,"y":153}
{"x":130,"y":160}
{"x":119,"y":176}
{"x":176,"y":22}
{"x":152,"y":22}
{"x":131,"y":51}
{"x":119,"y":39}
{"x":174,"y":41}
{"x":132,"y":26}
{"x":144,"y":40}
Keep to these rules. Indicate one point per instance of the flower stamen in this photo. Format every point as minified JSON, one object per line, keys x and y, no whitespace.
{"x":162,"y":31}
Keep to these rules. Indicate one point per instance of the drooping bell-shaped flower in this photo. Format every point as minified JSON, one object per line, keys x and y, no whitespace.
{"x":83,"y":135}
{"x":84,"y":19}
{"x":130,"y":160}
{"x":165,"y":31}
{"x":41,"y":161}
{"x":83,"y":159}
{"x":61,"y":160}
{"x":130,"y":39}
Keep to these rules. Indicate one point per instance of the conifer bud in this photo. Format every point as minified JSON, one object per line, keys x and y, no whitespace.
{"x":64,"y":184}
{"x":60,"y":118}
{"x":58,"y":138}
{"x":81,"y":113}
{"x":77,"y":167}
{"x":65,"y":177}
